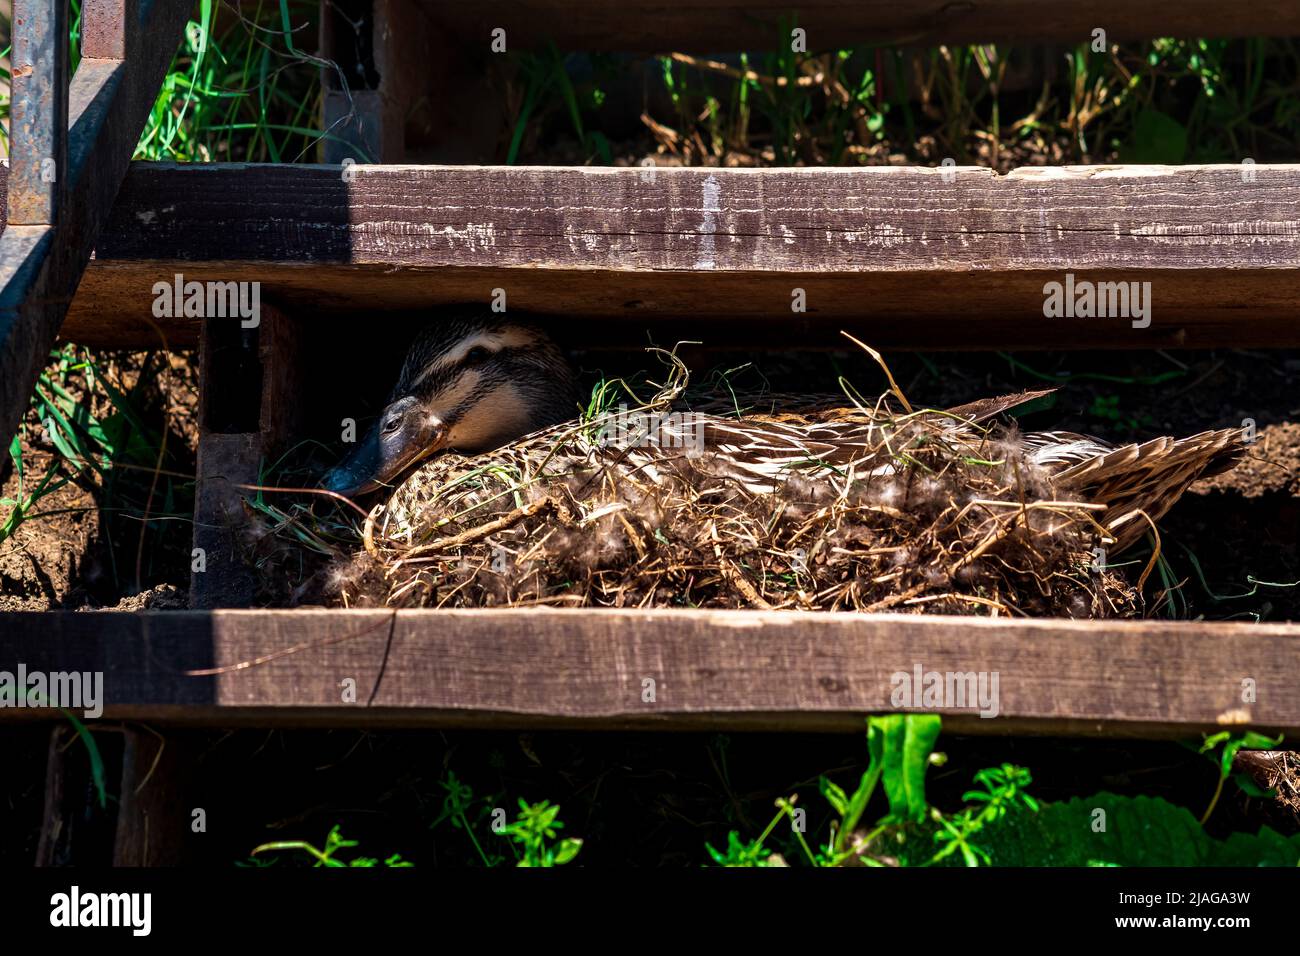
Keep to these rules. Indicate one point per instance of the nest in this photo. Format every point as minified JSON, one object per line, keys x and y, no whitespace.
{"x":924,"y":518}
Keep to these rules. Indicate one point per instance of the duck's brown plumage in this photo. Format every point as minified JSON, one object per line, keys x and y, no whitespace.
{"x":1129,"y":480}
{"x":762,"y":448}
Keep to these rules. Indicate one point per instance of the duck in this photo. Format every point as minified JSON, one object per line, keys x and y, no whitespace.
{"x":481,"y":380}
{"x":469,"y":384}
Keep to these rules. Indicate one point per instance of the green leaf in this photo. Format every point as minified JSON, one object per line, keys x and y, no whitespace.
{"x":567,"y":850}
{"x":1139,"y":831}
{"x":834,"y":794}
{"x":908,"y":741}
{"x":1157,"y":139}
{"x":601,"y":144}
{"x":1250,"y":788}
{"x":96,"y":759}
{"x":857,"y":804}
{"x":284,"y":22}
{"x":16,"y":456}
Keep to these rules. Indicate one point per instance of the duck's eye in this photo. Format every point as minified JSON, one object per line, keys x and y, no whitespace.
{"x":477,"y":355}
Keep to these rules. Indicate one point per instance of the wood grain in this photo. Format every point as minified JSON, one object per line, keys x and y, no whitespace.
{"x":416,"y":62}
{"x":743,"y":670}
{"x":901,"y":256}
{"x":56,"y":845}
{"x":153,"y":818}
{"x":220,"y":523}
{"x":284,"y":376}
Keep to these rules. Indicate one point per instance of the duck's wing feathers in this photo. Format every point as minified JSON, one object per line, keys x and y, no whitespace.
{"x":777,"y":407}
{"x":768,"y":452}
{"x":1145,"y":477}
{"x":758,"y":454}
{"x":985,"y":408}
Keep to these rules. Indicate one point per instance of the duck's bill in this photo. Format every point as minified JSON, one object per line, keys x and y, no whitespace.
{"x":380,"y":460}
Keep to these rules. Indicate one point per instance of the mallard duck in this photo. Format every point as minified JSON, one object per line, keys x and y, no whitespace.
{"x":470,"y":384}
{"x":478,"y":382}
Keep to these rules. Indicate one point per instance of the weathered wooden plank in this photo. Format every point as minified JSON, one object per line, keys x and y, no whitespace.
{"x":75,"y":829}
{"x":713,"y":25}
{"x":362,"y":123}
{"x":395,"y":106}
{"x":737,"y":669}
{"x":250,"y":407}
{"x":144,"y":822}
{"x":284,"y":377}
{"x":824,"y":220}
{"x":56,"y":844}
{"x":909,"y":256}
{"x":231,"y":385}
{"x":219,"y":578}
{"x":40,"y":265}
{"x":152,"y":817}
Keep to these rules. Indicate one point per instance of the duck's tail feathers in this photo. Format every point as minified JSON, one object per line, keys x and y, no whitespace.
{"x":1132,"y":479}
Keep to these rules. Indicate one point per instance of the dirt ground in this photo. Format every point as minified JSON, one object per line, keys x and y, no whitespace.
{"x":101,"y":539}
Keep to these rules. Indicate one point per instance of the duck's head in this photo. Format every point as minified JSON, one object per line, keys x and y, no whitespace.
{"x":469,"y":384}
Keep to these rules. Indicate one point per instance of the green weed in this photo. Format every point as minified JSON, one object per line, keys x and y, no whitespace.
{"x":326,"y":856}
{"x":1001,"y":824}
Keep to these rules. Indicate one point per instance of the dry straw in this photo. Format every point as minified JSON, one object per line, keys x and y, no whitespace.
{"x":920,"y":512}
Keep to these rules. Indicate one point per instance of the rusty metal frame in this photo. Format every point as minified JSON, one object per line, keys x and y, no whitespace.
{"x":38,"y":132}
{"x":71,"y":140}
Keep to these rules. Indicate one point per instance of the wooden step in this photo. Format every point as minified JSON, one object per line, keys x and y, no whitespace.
{"x":905,"y":257}
{"x":595,"y":669}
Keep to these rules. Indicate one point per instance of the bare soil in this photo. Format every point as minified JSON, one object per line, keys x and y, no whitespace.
{"x":101,"y":538}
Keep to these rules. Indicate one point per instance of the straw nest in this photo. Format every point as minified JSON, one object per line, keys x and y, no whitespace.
{"x":925,"y":518}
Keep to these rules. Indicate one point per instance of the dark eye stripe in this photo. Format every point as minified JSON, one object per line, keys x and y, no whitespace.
{"x":484,"y":389}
